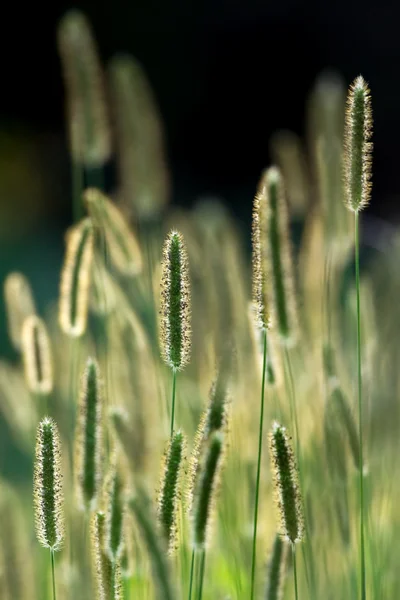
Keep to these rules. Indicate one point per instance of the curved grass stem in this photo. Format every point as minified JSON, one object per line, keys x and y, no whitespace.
{"x":260,"y":439}
{"x":360,"y":406}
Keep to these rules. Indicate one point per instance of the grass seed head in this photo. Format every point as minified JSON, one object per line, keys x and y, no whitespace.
{"x":287,"y":490}
{"x":280,"y":285}
{"x":48,"y":487}
{"x":101,"y":564}
{"x":168,"y":500}
{"x":115,"y":502}
{"x":123,"y":247}
{"x":19,"y":304}
{"x":175,"y":303}
{"x":206,"y":490}
{"x":358,"y":146}
{"x":261,"y":305}
{"x":37,"y":357}
{"x":75,"y":280}
{"x":88,"y":437}
{"x":88,"y":121}
{"x":142,"y":165}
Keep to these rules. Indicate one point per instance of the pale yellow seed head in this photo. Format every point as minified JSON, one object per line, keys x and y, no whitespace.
{"x":75,"y":279}
{"x":358,"y":146}
{"x":261,"y":304}
{"x":122,"y":244}
{"x":88,"y":121}
{"x":19,"y":305}
{"x":37,"y":357}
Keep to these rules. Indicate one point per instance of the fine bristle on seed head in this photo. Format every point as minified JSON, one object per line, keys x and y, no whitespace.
{"x":175,"y":303}
{"x":286,"y":484}
{"x":88,"y":437}
{"x":358,"y":146}
{"x":48,"y":487}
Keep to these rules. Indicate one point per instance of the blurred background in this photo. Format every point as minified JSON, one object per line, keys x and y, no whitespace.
{"x":226,"y":76}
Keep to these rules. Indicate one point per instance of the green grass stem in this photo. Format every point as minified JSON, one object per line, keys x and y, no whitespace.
{"x":260,"y":439}
{"x":360,"y":406}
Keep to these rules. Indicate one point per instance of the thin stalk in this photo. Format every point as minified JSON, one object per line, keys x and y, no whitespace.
{"x":201,"y":578}
{"x":260,"y":439}
{"x":306,"y":547}
{"x":53,"y":574}
{"x":296,"y":593}
{"x":191,"y":574}
{"x":293,"y":409}
{"x":173,"y":400}
{"x":360,"y":408}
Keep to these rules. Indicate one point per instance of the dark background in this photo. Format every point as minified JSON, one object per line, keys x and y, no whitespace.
{"x":226,"y":75}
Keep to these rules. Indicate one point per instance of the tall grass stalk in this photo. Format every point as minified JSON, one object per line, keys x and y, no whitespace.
{"x":360,"y":406}
{"x":201,"y":573}
{"x":53,"y":574}
{"x":296,"y":593}
{"x":192,"y":563}
{"x":260,"y":440}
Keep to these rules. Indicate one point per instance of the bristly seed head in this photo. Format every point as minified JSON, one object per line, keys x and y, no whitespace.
{"x":260,"y":279}
{"x":123,"y":247}
{"x":19,"y":304}
{"x":88,"y":122}
{"x":115,"y":511}
{"x":75,"y":280}
{"x":206,"y":490}
{"x":280,"y":287}
{"x":285,"y":476}
{"x":36,"y":352}
{"x":175,"y":303}
{"x":88,"y":438}
{"x":47,"y":487}
{"x":101,"y":564}
{"x":358,"y":146}
{"x":168,"y":501}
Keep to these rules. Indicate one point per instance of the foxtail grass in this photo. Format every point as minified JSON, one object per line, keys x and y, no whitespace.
{"x":48,"y":491}
{"x":170,"y":489}
{"x":37,"y":356}
{"x":19,"y":303}
{"x":175,"y":315}
{"x":287,"y":491}
{"x":261,"y":306}
{"x":357,"y":178}
{"x":89,"y":438}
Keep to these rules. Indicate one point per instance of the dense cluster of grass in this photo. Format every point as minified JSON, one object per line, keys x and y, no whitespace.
{"x":199,"y":428}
